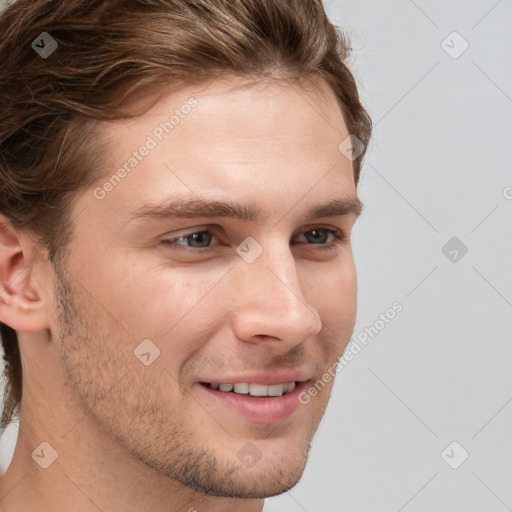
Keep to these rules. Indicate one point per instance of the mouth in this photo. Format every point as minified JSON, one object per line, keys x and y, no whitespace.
{"x":254,"y":389}
{"x":255,"y":402}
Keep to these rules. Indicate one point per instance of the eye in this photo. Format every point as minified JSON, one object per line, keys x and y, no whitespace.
{"x":201,"y":240}
{"x":319,"y":236}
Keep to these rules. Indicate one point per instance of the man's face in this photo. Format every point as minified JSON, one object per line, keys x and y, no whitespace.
{"x":150,"y":315}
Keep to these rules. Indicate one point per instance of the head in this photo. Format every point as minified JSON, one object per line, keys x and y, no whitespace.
{"x":118,"y":152}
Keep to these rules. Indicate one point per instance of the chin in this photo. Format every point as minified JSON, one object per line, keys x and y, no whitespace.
{"x":261,"y":484}
{"x":278,"y":486}
{"x":214,"y":473}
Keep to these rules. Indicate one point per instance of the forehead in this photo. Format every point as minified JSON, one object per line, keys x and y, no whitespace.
{"x":233,"y":110}
{"x":226,"y":139}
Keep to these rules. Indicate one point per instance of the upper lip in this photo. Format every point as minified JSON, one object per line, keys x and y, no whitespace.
{"x":266,"y":378}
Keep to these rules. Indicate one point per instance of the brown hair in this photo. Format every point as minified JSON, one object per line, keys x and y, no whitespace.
{"x":110,"y":49}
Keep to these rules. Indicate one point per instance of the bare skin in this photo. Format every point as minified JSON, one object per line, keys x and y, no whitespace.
{"x":131,"y":436}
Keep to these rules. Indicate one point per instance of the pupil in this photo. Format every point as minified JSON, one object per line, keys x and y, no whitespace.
{"x":315,"y":235}
{"x":202,"y":237}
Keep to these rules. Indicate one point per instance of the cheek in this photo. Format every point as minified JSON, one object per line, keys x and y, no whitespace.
{"x":333,"y":293}
{"x":176,"y":308}
{"x":149,"y":300}
{"x":332,"y":290}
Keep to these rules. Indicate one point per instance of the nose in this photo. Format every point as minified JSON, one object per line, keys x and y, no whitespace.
{"x":271,"y":305}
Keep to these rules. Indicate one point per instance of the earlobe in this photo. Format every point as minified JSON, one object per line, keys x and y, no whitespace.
{"x":21,"y":300}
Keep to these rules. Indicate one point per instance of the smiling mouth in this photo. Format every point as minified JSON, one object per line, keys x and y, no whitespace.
{"x":259,"y":403}
{"x":252,"y":389}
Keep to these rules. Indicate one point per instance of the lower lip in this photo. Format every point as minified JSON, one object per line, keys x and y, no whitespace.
{"x":258,"y":409}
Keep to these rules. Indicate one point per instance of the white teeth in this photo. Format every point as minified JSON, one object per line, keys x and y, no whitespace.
{"x":276,"y":390}
{"x":244,"y":388}
{"x":258,"y":390}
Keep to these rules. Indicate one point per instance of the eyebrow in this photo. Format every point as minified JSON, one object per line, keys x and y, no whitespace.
{"x":190,"y":208}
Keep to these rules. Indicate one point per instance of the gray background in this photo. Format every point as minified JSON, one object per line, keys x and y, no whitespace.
{"x":438,"y":167}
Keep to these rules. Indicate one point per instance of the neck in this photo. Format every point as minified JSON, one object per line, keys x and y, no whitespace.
{"x":88,"y":473}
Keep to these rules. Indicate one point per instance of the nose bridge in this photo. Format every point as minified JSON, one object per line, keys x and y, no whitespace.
{"x":271,"y":301}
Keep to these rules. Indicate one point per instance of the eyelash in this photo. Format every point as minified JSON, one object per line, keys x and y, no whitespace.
{"x":339,"y":238}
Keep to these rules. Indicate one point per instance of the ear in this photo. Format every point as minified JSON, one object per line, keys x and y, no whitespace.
{"x":21,"y":296}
